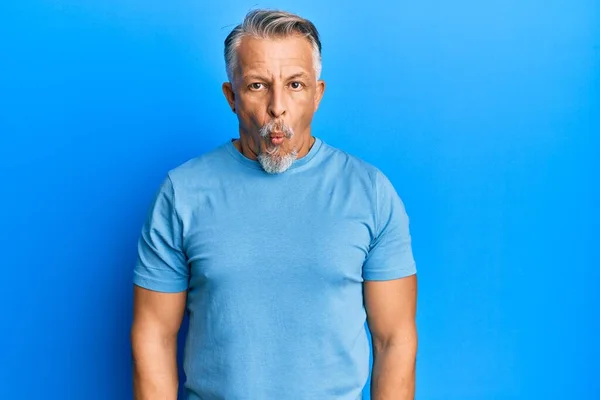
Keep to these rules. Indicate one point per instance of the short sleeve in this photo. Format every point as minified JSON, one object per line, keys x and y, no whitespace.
{"x":390,"y":254}
{"x":161,"y":263}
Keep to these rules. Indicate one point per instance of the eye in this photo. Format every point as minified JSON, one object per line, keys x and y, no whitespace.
{"x":256,"y":86}
{"x":296,"y":85}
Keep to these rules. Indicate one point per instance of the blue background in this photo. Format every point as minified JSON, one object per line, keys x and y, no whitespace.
{"x":485,"y":116}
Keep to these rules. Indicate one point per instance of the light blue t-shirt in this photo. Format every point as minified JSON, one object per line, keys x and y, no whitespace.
{"x":274,"y":266}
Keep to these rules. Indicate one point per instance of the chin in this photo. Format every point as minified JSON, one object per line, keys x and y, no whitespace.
{"x":276,"y":162}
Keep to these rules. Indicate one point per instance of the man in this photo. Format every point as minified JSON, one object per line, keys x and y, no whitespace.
{"x":279,"y":247}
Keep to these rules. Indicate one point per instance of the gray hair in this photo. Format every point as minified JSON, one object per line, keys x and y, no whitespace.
{"x":270,"y":24}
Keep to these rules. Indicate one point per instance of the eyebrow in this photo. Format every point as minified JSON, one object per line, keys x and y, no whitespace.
{"x":254,"y":76}
{"x":298,"y":75}
{"x":263,"y":78}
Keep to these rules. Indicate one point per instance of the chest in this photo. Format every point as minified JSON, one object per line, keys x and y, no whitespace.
{"x":317,"y":234}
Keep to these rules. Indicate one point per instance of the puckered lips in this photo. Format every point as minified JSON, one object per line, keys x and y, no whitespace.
{"x":277,"y":138}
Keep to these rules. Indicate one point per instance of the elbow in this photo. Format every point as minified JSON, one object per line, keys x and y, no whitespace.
{"x":144,"y":335}
{"x":405,"y":340}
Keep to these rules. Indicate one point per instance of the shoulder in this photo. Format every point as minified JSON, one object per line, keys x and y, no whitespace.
{"x":200,"y":170}
{"x":201,"y":164}
{"x":361,"y":173}
{"x":352,"y":164}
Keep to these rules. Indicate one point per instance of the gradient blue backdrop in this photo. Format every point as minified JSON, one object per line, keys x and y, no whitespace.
{"x":484,"y":114}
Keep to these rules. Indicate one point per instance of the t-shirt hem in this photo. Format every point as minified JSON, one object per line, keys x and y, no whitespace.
{"x":159,"y":286}
{"x":390,"y":274}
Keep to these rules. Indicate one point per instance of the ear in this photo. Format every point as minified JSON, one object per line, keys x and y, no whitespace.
{"x":229,"y":95}
{"x":319,"y":93}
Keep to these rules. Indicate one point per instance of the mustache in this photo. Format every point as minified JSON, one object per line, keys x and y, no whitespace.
{"x":276,"y":126}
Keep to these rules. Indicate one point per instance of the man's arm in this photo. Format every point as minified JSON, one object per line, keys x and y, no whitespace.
{"x":391,"y":310}
{"x":156,"y":321}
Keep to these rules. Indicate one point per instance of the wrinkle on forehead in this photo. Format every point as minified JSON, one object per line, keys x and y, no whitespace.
{"x":275,"y":58}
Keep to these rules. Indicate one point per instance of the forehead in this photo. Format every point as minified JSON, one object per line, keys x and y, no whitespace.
{"x":275,"y":54}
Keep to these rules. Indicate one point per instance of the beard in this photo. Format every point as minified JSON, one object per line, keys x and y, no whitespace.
{"x":275,"y":160}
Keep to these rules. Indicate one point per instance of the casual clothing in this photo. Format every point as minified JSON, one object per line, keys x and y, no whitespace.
{"x":274,"y":266}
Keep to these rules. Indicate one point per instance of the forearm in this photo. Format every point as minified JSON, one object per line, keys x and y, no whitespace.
{"x":393,"y":375}
{"x":154,"y":367}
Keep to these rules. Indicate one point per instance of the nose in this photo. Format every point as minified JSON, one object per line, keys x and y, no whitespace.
{"x":276,"y":106}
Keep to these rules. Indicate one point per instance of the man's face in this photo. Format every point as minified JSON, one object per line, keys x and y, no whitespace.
{"x":275,"y":94}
